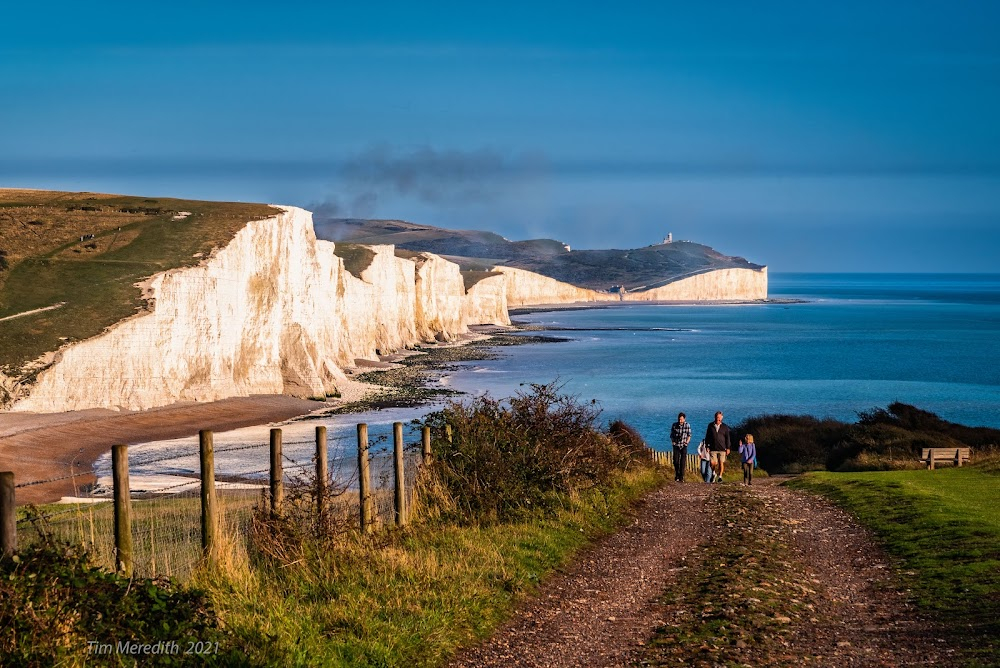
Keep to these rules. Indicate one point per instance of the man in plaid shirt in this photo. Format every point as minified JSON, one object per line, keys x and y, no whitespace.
{"x":680,"y":436}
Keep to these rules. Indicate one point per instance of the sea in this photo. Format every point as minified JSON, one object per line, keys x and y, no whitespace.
{"x":825,"y":345}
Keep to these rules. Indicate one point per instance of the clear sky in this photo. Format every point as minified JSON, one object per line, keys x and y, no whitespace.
{"x":809,"y":136}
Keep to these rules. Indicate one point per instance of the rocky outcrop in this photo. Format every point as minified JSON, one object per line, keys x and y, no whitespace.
{"x":440,"y":297}
{"x":274,"y":311}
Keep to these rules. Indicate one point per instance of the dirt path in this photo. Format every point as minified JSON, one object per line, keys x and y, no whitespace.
{"x":602,"y":609}
{"x":837,"y":594}
{"x":859,"y":618}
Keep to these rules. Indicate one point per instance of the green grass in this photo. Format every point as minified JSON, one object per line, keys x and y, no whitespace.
{"x":943,"y":529}
{"x":356,"y":258}
{"x":413,"y":596}
{"x":48,"y":264}
{"x":166,"y":530}
{"x":470,"y":278}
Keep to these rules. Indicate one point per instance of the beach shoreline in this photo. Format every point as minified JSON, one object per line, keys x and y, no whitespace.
{"x":54,"y":454}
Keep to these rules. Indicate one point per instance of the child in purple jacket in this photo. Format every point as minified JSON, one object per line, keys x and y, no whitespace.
{"x":748,"y":455}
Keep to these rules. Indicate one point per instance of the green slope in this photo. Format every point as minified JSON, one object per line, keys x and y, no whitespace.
{"x":78,"y":255}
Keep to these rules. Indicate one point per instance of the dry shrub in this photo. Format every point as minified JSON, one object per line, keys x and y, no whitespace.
{"x":288,"y":535}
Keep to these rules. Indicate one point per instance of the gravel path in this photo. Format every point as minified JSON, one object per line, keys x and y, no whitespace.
{"x":603,"y":608}
{"x":860,"y":618}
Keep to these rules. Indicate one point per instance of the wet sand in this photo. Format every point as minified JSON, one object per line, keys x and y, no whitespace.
{"x":64,"y":446}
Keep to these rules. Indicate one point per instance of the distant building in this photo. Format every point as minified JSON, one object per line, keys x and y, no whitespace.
{"x":669,"y":239}
{"x":566,"y":246}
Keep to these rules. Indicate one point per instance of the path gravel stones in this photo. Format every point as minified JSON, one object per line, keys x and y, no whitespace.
{"x":604,"y":607}
{"x":845,"y":608}
{"x":861,"y":617}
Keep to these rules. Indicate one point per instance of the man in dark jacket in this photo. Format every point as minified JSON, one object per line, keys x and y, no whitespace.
{"x":680,"y":436}
{"x":717,"y":438}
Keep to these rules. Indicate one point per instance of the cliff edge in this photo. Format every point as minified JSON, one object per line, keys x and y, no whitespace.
{"x":275,"y":310}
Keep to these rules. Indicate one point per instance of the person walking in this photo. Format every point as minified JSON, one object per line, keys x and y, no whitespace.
{"x":748,"y":455}
{"x":680,"y":436}
{"x":719,"y":445}
{"x":705,"y":460}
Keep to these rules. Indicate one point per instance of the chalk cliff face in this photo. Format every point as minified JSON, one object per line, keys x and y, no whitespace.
{"x":275,"y":311}
{"x":719,"y":285}
{"x":526,"y":288}
{"x":486,"y":301}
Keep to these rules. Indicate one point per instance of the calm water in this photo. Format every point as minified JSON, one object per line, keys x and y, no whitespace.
{"x":859,"y":341}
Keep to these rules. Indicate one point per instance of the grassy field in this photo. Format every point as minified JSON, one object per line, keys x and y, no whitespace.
{"x":80,"y":254}
{"x":943,"y":528}
{"x":409,"y":597}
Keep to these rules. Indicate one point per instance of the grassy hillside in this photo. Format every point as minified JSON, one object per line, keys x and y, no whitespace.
{"x":636,"y":269}
{"x":75,"y":257}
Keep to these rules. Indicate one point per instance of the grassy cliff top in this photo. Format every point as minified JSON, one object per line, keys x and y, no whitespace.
{"x":69,"y":261}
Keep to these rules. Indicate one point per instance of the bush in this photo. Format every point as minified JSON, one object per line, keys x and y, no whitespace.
{"x":882,"y":439}
{"x":528,"y":452}
{"x":886,"y":442}
{"x":627,"y":438}
{"x":297,"y":529}
{"x":793,"y":443}
{"x":912,"y":418}
{"x":53,"y":601}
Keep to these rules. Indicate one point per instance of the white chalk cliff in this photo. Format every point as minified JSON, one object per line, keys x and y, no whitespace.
{"x":275,"y":311}
{"x":735,"y":284}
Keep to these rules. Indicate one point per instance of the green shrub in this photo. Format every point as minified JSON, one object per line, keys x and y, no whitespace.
{"x":53,"y":602}
{"x":912,"y":418}
{"x":882,"y":439}
{"x":527,"y":452}
{"x":793,"y":443}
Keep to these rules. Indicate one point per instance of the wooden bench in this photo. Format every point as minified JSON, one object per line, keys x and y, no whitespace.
{"x":957,"y":456}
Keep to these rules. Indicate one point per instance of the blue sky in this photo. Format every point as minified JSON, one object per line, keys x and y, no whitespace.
{"x":810,"y":136}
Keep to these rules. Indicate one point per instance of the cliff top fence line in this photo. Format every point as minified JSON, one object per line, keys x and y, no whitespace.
{"x":166,"y":524}
{"x":170,"y":531}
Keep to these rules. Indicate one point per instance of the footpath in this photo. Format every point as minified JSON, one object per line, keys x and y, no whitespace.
{"x":711,"y":575}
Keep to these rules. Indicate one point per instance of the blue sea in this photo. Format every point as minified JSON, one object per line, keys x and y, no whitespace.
{"x":854,"y":342}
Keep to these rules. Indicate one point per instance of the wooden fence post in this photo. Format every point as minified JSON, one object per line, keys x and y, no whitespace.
{"x":8,"y":518}
{"x":397,"y":461}
{"x":322,"y":471}
{"x":209,"y":516}
{"x":425,"y":438}
{"x":123,"y":510}
{"x":364,"y":479}
{"x":277,"y":472}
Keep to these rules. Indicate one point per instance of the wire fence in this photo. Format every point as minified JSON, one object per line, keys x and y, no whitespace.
{"x":166,"y":498}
